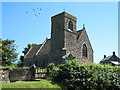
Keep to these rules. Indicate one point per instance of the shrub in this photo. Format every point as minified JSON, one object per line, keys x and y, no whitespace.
{"x":86,"y":76}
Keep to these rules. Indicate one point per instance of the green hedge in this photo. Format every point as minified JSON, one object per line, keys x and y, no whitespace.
{"x":87,"y":76}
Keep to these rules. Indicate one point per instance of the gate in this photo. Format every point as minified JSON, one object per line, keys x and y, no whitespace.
{"x":40,"y":73}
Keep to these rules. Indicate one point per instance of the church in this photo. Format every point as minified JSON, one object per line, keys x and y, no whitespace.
{"x":66,"y":43}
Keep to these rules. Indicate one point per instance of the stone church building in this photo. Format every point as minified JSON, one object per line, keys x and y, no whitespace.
{"x":66,"y":43}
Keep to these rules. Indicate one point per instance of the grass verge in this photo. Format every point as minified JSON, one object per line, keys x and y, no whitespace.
{"x":33,"y":84}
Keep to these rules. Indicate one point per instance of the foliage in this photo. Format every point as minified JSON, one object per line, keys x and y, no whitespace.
{"x":36,"y":84}
{"x":0,"y":51}
{"x":84,"y":77}
{"x":8,"y":52}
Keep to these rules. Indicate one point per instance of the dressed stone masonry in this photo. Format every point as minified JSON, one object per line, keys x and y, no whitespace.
{"x":66,"y":43}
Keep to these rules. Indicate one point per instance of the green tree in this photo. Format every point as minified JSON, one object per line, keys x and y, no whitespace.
{"x":9,"y":54}
{"x":0,"y":51}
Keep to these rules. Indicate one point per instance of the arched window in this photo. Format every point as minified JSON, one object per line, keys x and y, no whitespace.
{"x":84,"y":50}
{"x":70,"y":25}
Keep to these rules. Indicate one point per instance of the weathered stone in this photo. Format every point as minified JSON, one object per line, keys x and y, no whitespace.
{"x":4,"y":76}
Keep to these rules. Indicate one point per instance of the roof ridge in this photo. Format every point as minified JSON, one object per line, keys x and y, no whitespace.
{"x":28,"y":52}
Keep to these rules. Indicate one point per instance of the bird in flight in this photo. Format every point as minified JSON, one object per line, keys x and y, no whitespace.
{"x":36,"y":11}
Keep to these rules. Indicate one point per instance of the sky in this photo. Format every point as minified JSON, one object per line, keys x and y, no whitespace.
{"x":119,"y":29}
{"x":19,"y":23}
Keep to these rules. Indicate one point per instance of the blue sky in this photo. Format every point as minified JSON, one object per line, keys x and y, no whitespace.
{"x":100,"y":19}
{"x":119,"y":30}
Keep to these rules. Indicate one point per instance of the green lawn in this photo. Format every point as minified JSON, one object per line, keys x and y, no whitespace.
{"x":33,"y":84}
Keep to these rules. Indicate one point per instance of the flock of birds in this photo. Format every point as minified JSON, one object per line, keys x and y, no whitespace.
{"x":36,"y":11}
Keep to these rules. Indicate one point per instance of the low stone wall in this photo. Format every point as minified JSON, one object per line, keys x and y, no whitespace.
{"x":4,"y":76}
{"x":19,"y":75}
{"x":16,"y":75}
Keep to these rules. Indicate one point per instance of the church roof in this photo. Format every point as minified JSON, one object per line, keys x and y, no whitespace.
{"x":32,"y":51}
{"x":79,"y":33}
{"x":39,"y":49}
{"x":45,"y":48}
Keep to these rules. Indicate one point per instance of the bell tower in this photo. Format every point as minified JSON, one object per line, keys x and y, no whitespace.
{"x":61,"y":25}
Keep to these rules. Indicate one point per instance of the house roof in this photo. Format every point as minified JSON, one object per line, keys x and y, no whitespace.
{"x":38,"y":49}
{"x":106,"y":58}
{"x":111,"y":58}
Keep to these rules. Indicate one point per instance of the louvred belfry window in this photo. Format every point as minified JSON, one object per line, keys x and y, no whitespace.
{"x":70,"y":25}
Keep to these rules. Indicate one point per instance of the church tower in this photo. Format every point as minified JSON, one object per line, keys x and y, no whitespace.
{"x":63,"y":33}
{"x":60,"y":24}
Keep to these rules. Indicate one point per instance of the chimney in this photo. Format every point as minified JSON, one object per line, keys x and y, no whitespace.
{"x":104,"y":56}
{"x":113,"y":53}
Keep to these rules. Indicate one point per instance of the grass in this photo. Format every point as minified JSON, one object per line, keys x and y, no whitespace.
{"x":34,"y":84}
{"x":41,"y":69}
{"x":12,"y":67}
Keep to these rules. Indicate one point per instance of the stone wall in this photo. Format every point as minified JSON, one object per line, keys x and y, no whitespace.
{"x":4,"y":76}
{"x":17,"y":75}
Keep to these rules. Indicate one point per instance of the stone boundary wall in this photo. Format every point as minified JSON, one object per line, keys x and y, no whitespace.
{"x":4,"y":76}
{"x":20,"y":75}
{"x":16,"y":75}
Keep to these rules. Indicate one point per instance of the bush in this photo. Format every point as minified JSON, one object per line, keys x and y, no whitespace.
{"x":86,"y":76}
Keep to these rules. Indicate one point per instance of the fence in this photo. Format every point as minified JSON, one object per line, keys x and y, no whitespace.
{"x":40,"y":73}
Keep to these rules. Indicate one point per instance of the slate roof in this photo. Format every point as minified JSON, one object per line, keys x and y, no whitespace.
{"x":106,"y":58}
{"x":79,"y":33}
{"x":32,"y":51}
{"x":45,"y":48}
{"x":39,"y":49}
{"x":110,"y":58}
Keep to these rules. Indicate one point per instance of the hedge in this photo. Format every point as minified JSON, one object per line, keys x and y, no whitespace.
{"x":72,"y":75}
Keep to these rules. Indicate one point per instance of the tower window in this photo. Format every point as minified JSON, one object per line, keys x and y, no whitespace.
{"x":84,"y":50}
{"x":70,"y":25}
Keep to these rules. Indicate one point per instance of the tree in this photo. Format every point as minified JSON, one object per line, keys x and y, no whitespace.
{"x":0,"y":51}
{"x":9,"y":54}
